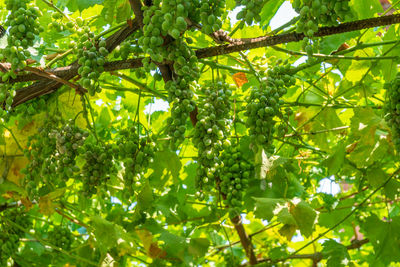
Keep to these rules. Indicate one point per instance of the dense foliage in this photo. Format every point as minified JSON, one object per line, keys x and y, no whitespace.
{"x":197,"y":133}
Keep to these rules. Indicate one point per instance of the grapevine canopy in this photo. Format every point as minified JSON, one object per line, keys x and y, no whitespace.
{"x":199,"y":133}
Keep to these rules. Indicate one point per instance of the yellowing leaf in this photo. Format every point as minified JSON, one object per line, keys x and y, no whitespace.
{"x":46,"y":203}
{"x":240,"y":79}
{"x":152,"y":248}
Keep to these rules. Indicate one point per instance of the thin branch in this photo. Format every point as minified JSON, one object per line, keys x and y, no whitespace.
{"x":318,"y":132}
{"x":79,"y":89}
{"x":348,"y":215}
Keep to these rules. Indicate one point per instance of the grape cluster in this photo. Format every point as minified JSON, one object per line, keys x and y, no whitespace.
{"x":8,"y":246}
{"x":40,"y":151}
{"x":136,"y":153}
{"x":9,"y":234}
{"x":234,"y":174}
{"x":392,"y":109}
{"x":160,"y":21}
{"x":69,"y":139}
{"x":264,"y":104}
{"x":315,"y":12}
{"x":18,"y":216}
{"x":211,"y":130}
{"x":61,"y":237}
{"x":125,"y":49}
{"x":59,"y":25}
{"x":251,"y":11}
{"x":28,"y":109}
{"x":7,"y":93}
{"x":181,"y":93}
{"x":98,"y":168}
{"x":91,"y":60}
{"x":52,"y":152}
{"x":23,"y":26}
{"x":210,"y":13}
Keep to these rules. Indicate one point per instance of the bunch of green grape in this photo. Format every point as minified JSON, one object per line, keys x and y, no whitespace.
{"x":91,"y":59}
{"x":319,"y":12}
{"x":61,"y":237}
{"x":23,"y":26}
{"x":10,"y":233}
{"x":69,"y":139}
{"x":19,"y":217}
{"x":180,"y":89}
{"x":125,"y":49}
{"x":160,"y":21}
{"x":210,"y":13}
{"x":251,"y":11}
{"x":52,"y":153}
{"x":235,"y":173}
{"x":27,"y":110}
{"x":98,"y":168}
{"x":7,"y":93}
{"x":211,"y":130}
{"x":264,"y":105}
{"x":392,"y":109}
{"x":180,"y":94}
{"x":58,"y":23}
{"x":9,"y":243}
{"x":136,"y":153}
{"x":40,"y":150}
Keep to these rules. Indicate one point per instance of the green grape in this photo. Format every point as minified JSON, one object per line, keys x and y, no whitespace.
{"x":235,"y":173}
{"x":210,"y":14}
{"x":163,"y":22}
{"x":52,"y":153}
{"x":18,"y":216}
{"x":392,"y":109}
{"x":136,"y":153}
{"x":61,"y":237}
{"x":91,"y":60}
{"x":99,"y":167}
{"x":211,"y":129}
{"x":319,"y":12}
{"x":23,"y":27}
{"x":248,"y":13}
{"x":264,"y":106}
{"x":9,"y":243}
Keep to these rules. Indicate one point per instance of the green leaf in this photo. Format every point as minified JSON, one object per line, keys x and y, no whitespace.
{"x":305,"y":217}
{"x":145,"y":198}
{"x":335,"y":161}
{"x":109,"y":10}
{"x":198,"y":247}
{"x":269,"y":10}
{"x":106,"y":233}
{"x":376,"y":177}
{"x":264,"y":208}
{"x":285,"y":217}
{"x":166,"y":164}
{"x":104,"y":118}
{"x":82,"y":4}
{"x":385,"y":237}
{"x":288,"y":231}
{"x":335,"y":253}
{"x":123,"y":11}
{"x":366,"y":9}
